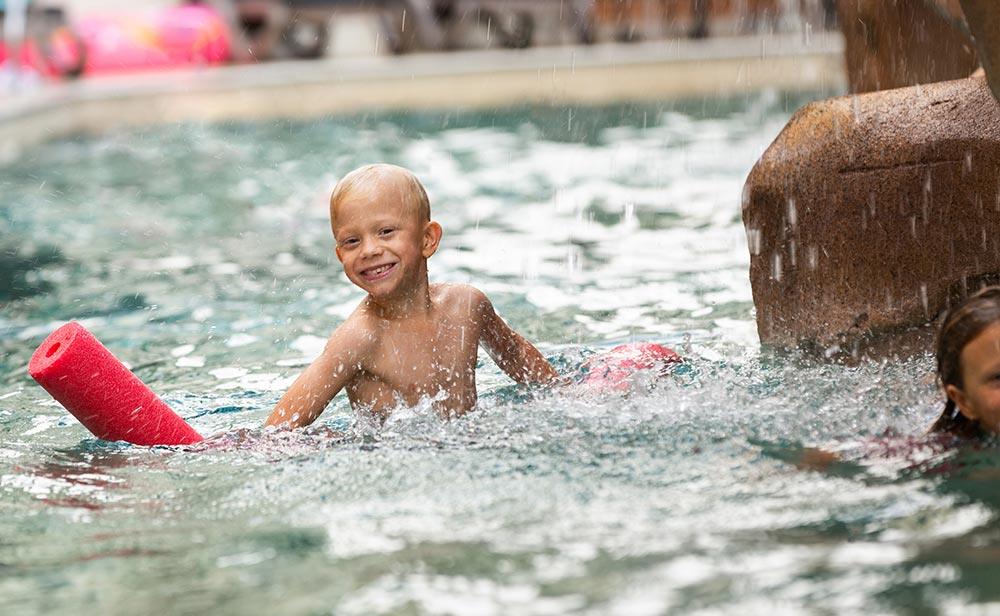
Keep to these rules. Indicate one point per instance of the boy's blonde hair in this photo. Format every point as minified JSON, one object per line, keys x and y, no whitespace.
{"x":378,"y":174}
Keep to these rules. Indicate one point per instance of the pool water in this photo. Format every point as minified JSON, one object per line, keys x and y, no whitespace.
{"x":201,"y":255}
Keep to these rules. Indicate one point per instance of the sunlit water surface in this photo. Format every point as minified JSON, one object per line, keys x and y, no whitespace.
{"x":201,"y":255}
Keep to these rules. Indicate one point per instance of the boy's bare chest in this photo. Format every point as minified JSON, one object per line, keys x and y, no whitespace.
{"x":424,"y":360}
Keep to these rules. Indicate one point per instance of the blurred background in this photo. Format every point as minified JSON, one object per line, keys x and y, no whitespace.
{"x":69,"y":38}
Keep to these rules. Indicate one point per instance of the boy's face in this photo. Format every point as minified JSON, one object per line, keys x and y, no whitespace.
{"x":382,"y":242}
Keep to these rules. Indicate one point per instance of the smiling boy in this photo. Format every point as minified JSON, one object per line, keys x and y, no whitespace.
{"x":408,"y":339}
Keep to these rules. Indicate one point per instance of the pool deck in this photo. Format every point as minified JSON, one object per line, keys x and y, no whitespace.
{"x":591,"y":75}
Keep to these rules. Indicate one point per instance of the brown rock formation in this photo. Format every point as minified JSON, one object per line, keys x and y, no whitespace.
{"x":869,"y":212}
{"x":898,"y":43}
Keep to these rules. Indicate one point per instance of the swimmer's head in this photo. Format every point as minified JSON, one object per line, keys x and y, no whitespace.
{"x":381,"y":181}
{"x":968,"y":346}
{"x":380,"y":218}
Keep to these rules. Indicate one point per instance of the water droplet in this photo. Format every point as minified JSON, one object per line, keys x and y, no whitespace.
{"x":753,"y":241}
{"x":776,"y":266}
{"x":628,"y":218}
{"x":573,"y":265}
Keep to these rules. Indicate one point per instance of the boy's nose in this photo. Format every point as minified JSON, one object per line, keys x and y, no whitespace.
{"x":370,"y":247}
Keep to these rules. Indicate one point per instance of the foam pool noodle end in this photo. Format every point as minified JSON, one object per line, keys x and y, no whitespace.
{"x":82,"y":375}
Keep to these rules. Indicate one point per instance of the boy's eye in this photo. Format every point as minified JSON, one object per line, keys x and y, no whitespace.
{"x":349,"y":242}
{"x":386,"y":231}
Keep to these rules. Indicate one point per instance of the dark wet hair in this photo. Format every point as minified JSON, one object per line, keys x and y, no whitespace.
{"x":960,"y":327}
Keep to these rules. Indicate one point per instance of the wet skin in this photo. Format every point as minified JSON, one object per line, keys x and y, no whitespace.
{"x":407,"y":340}
{"x":979,"y":396}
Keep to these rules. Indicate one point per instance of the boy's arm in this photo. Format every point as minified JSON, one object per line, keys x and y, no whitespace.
{"x":312,"y":391}
{"x":515,"y":355}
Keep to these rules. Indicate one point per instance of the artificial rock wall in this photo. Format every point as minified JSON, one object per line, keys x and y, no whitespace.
{"x":870,"y":213}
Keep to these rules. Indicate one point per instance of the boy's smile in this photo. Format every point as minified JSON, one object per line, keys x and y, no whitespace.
{"x":378,"y":272}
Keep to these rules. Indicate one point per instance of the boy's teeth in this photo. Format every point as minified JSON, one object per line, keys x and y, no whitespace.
{"x":378,"y":270}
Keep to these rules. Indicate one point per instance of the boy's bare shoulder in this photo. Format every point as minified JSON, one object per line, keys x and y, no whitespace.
{"x":358,"y":333}
{"x":460,"y":294}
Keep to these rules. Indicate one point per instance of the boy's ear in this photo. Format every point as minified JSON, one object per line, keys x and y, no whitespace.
{"x":336,"y":249}
{"x":962,"y":402}
{"x":432,"y":238}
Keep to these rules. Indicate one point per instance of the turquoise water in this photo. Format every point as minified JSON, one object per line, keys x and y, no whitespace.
{"x":201,"y":255}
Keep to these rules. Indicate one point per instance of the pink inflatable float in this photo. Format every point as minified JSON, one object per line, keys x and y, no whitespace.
{"x":612,"y":371}
{"x":179,"y":36}
{"x":172,"y":37}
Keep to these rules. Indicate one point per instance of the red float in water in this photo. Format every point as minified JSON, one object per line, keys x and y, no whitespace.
{"x":78,"y":371}
{"x":613,"y":370}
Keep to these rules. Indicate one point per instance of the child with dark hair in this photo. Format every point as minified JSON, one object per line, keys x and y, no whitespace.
{"x":968,"y":371}
{"x":968,"y":366}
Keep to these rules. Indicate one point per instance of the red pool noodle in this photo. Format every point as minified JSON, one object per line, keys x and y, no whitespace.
{"x":78,"y":371}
